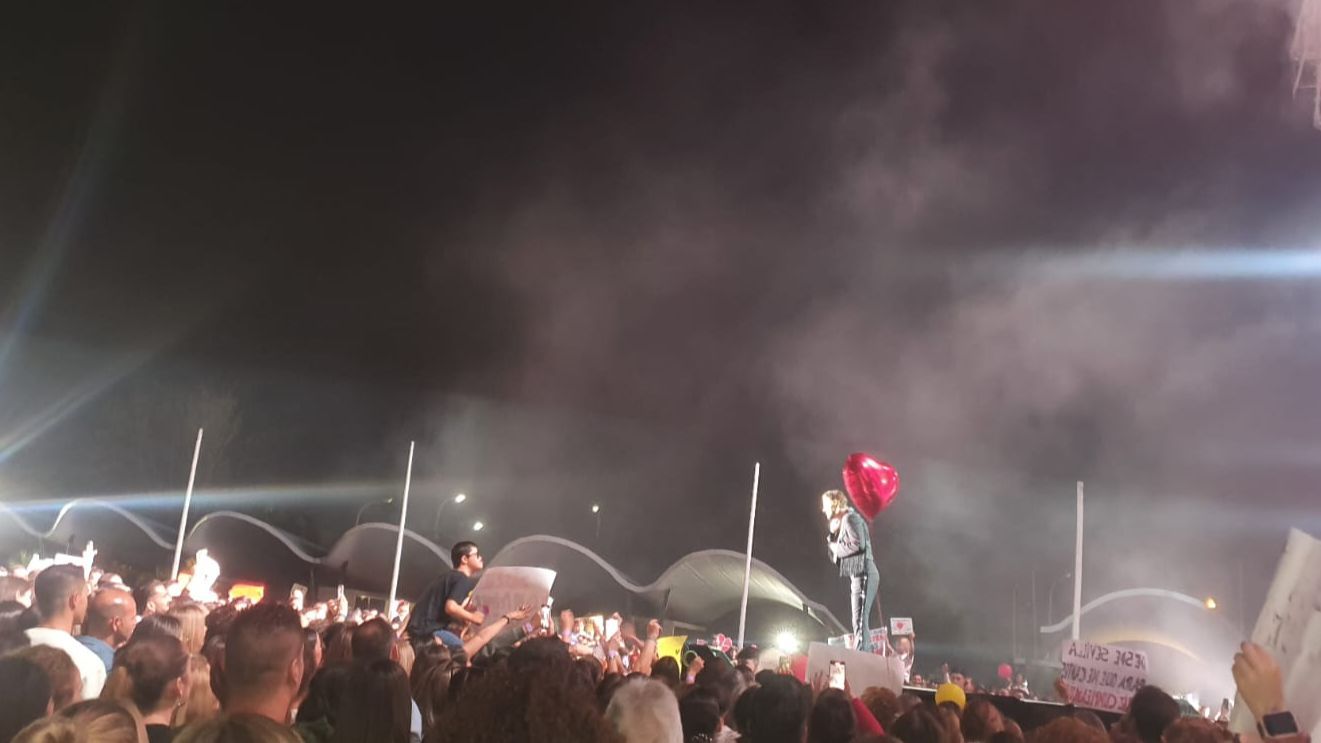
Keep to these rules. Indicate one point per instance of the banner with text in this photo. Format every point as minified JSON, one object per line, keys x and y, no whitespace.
{"x":1102,"y":677}
{"x":502,"y":590}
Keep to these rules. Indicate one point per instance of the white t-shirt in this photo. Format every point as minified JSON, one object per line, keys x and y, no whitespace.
{"x":90,"y":667}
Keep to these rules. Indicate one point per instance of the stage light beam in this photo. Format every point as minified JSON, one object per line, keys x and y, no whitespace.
{"x":786,"y":643}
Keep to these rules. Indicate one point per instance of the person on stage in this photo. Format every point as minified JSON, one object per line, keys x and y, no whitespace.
{"x":442,"y":612}
{"x":850,"y":549}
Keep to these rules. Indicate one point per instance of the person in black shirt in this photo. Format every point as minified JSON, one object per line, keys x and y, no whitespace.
{"x":441,"y":612}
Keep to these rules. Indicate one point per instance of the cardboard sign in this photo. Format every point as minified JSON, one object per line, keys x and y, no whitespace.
{"x":502,"y":590}
{"x":900,"y":626}
{"x":1102,"y":677}
{"x":1289,"y":626}
{"x":862,"y":670}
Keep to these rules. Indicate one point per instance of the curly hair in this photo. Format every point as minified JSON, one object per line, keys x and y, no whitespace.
{"x":504,"y":705}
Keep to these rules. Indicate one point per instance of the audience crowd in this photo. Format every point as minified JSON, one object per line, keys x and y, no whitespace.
{"x":89,"y":659}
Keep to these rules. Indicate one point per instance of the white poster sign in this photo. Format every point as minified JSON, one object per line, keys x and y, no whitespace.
{"x":900,"y":626}
{"x":502,"y":590}
{"x":862,"y":670}
{"x":1102,"y":677}
{"x":1289,"y":626}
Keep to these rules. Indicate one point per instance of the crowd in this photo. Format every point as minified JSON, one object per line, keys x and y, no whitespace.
{"x":85,"y":659}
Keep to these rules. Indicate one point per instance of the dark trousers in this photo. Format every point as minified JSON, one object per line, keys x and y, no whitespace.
{"x":862,"y":597}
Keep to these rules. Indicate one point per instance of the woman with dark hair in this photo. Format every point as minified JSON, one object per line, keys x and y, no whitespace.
{"x":156,"y":668}
{"x":461,"y":679}
{"x":158,"y":625}
{"x":431,"y":692}
{"x":320,"y":710}
{"x":375,"y":708}
{"x":10,"y":612}
{"x":66,"y":685}
{"x":699,"y":712}
{"x":832,"y":719}
{"x":534,"y":704}
{"x":25,"y":689}
{"x":425,"y":658}
{"x":920,"y":725}
{"x":338,"y":641}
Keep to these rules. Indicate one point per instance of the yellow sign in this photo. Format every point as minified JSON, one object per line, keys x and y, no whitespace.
{"x":671,"y":647}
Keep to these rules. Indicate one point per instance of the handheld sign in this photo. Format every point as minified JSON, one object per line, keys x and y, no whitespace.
{"x":900,"y":626}
{"x":1102,"y":677}
{"x":1289,"y":627}
{"x":502,"y":590}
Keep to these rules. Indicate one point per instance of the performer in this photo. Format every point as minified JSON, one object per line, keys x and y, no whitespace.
{"x":850,"y":549}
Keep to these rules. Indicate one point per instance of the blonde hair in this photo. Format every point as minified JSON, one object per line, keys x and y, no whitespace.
{"x":99,"y":720}
{"x":192,"y":626}
{"x":201,"y":703}
{"x":645,"y":711}
{"x":838,"y":500}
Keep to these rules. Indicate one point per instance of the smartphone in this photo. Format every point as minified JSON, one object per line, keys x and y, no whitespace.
{"x":545,"y":616}
{"x":837,"y":674}
{"x":785,"y":666}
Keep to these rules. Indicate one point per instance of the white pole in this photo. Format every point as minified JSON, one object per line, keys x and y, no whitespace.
{"x":1077,"y":567}
{"x":187,"y":502}
{"x":747,"y":566}
{"x":399,"y":543}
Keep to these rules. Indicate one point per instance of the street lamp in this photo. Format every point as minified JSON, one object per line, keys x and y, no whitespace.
{"x":435,"y":528}
{"x":358,"y":519}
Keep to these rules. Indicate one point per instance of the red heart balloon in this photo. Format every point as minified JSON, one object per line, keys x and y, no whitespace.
{"x":872,"y":484}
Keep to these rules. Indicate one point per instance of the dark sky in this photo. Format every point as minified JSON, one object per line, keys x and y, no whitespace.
{"x":616,"y":253}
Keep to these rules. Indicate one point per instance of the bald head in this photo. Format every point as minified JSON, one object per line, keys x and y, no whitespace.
{"x":111,"y":616}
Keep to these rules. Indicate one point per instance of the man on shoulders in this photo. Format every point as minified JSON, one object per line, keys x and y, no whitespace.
{"x":60,"y":595}
{"x":442,"y":612}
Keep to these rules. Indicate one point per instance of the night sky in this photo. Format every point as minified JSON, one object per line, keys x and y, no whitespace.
{"x":615,"y":253}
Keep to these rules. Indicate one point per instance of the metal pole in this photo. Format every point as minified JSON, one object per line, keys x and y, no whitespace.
{"x":187,"y":502}
{"x":1242,"y":625}
{"x":1077,"y":567}
{"x":399,"y":543}
{"x":1036,"y":627}
{"x":747,"y":566}
{"x":1013,"y":623}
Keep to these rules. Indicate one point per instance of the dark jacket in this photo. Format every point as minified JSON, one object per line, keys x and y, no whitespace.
{"x":850,"y":547}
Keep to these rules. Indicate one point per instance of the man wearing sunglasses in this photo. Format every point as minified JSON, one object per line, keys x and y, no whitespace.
{"x":442,"y":611}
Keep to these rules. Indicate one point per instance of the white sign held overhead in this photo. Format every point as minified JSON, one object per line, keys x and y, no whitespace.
{"x":900,"y":626}
{"x":1102,"y":677}
{"x":502,"y":590}
{"x":862,"y":670}
{"x":1289,"y":627}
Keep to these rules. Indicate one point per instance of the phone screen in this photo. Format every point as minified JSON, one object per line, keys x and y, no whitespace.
{"x":837,"y":674}
{"x":785,"y":666}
